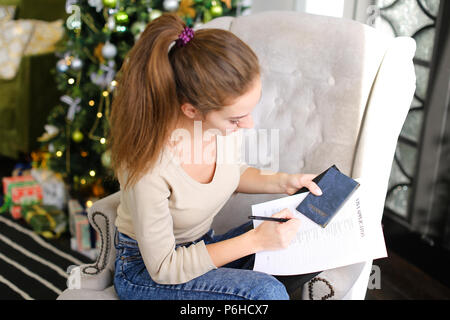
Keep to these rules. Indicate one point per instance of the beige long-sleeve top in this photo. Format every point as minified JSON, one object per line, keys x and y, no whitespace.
{"x":167,"y":207}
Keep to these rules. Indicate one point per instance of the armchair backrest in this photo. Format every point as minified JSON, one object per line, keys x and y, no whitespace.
{"x":335,"y":91}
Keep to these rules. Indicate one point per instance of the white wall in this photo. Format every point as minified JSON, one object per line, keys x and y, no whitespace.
{"x":268,"y":5}
{"x":349,"y":9}
{"x":333,"y":8}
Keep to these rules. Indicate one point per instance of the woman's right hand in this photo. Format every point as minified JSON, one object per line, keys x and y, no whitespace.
{"x":270,"y":235}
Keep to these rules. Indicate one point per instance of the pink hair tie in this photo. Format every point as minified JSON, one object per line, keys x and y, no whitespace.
{"x":186,"y":36}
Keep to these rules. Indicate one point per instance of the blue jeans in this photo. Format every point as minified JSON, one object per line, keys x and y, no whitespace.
{"x":234,"y":281}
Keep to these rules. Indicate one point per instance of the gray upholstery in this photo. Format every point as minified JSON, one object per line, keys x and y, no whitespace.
{"x":96,"y":278}
{"x":335,"y":91}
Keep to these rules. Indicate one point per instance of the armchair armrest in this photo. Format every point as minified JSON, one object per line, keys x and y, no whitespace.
{"x":99,"y":275}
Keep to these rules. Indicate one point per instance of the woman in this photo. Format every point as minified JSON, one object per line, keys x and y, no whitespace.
{"x":201,"y":88}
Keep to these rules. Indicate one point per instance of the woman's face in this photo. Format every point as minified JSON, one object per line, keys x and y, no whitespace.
{"x":238,"y":115}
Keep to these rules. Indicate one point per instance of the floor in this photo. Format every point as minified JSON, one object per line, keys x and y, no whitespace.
{"x":400,"y":279}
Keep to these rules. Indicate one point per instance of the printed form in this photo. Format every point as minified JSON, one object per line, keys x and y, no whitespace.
{"x":353,"y":235}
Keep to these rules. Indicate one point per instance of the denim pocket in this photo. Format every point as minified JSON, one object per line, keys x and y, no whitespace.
{"x":128,"y":254}
{"x":131,"y":266}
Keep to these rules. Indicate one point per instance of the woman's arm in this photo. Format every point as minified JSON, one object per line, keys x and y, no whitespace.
{"x":226,"y":251}
{"x":252,"y":181}
{"x":267,"y":236}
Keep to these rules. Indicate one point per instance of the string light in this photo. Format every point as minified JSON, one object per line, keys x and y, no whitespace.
{"x":91,"y":103}
{"x":89,"y":203}
{"x":92,"y":173}
{"x":99,"y":115}
{"x":59,"y":154}
{"x":105,"y":93}
{"x":71,"y":81}
{"x":102,"y":140}
{"x":83,"y":181}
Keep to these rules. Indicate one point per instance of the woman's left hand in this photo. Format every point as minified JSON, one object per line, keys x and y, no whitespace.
{"x":291,"y":183}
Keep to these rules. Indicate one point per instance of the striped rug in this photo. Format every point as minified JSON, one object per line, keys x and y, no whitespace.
{"x":32,"y":267}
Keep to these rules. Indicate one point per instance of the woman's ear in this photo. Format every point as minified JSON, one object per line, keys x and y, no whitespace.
{"x":192,"y":112}
{"x":189,"y":111}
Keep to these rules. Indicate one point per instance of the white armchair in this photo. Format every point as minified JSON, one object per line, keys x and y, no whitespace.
{"x":337,"y":91}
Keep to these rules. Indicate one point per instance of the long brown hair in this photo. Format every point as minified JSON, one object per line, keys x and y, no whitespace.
{"x":157,"y":77}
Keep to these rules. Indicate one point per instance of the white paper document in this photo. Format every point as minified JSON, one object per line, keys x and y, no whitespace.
{"x":352,"y":236}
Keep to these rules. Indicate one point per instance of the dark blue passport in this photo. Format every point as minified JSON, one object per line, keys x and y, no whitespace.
{"x":336,"y":189}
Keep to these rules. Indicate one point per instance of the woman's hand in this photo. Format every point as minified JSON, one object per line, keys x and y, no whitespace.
{"x":291,"y":183}
{"x":270,"y":235}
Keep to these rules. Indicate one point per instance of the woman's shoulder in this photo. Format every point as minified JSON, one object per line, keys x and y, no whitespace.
{"x":153,"y":172}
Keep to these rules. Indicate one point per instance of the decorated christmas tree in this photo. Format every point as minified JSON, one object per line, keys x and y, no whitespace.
{"x":98,"y":35}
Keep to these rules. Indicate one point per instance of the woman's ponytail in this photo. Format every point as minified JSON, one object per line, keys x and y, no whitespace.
{"x":145,"y":104}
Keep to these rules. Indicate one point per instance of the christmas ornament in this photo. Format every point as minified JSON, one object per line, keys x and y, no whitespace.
{"x":154,"y":14}
{"x":109,"y":50}
{"x":207,"y":16}
{"x":98,"y":4}
{"x":51,"y":148}
{"x":77,"y":136}
{"x":51,"y":132}
{"x":76,"y":64}
{"x":110,"y":3}
{"x":61,"y":66}
{"x":73,"y":106}
{"x":216,"y":9}
{"x":68,"y":4}
{"x":121,"y":29}
{"x":138,"y":27}
{"x":97,"y":188}
{"x":170,"y":5}
{"x":98,"y":52}
{"x":111,"y":23}
{"x":106,"y":159}
{"x":105,"y":75}
{"x":121,"y":18}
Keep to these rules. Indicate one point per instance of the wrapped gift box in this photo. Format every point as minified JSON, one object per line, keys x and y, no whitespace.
{"x":54,"y":192}
{"x":7,"y":181}
{"x":86,"y":238}
{"x":75,"y":209}
{"x":20,"y":191}
{"x":45,"y":220}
